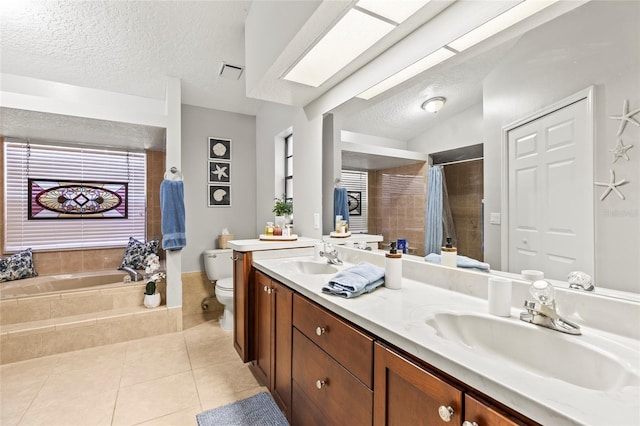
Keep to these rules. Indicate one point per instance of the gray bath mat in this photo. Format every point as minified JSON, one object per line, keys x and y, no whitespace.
{"x":258,"y":410}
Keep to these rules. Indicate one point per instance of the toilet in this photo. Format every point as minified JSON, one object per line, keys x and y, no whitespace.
{"x":219,"y":267}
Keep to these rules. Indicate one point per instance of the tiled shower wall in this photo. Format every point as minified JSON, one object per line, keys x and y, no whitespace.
{"x":70,"y":261}
{"x":465,"y":187}
{"x":397,"y":203}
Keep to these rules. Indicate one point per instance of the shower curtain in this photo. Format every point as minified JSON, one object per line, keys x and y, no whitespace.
{"x":439,"y":221}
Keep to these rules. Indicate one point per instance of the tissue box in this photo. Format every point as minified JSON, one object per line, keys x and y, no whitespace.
{"x":224,"y":239}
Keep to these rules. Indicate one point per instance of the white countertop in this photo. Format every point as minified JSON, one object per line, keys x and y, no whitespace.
{"x":259,"y":245}
{"x":355,"y":238}
{"x":398,"y":316}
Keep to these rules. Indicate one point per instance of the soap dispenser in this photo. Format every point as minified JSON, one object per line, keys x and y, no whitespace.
{"x":393,"y":268}
{"x":449,"y":254}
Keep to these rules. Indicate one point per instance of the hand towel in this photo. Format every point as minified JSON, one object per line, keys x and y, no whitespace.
{"x":340,"y":205}
{"x":462,"y":262}
{"x":351,"y":282}
{"x":172,"y":210}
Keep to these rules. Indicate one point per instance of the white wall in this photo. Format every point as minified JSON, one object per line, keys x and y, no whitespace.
{"x":463,"y":129}
{"x":204,"y":223}
{"x":271,"y":121}
{"x":530,"y":78}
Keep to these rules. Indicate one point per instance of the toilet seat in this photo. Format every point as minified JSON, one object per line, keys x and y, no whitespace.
{"x":225,"y":284}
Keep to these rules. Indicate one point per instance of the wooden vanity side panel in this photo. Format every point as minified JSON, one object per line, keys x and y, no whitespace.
{"x":407,"y":394}
{"x":281,"y":355}
{"x":349,"y":346}
{"x":243,"y":305}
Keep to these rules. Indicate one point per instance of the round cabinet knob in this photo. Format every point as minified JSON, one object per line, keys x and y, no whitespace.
{"x":445,"y":413}
{"x":235,"y":258}
{"x":468,"y":423}
{"x":320,"y":384}
{"x":320,"y":331}
{"x":266,"y":289}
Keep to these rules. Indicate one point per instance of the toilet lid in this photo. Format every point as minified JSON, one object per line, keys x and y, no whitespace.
{"x":225,"y":283}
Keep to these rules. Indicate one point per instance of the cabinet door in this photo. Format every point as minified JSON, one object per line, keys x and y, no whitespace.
{"x":407,"y":394}
{"x":263,"y":335}
{"x":480,"y":414}
{"x":281,"y":315}
{"x":242,"y":300}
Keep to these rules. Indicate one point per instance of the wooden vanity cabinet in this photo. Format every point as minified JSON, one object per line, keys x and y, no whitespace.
{"x":273,"y":328}
{"x":242,"y":305}
{"x":407,"y":394}
{"x":481,"y":414}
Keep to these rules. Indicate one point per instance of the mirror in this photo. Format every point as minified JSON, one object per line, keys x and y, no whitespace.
{"x":488,"y":88}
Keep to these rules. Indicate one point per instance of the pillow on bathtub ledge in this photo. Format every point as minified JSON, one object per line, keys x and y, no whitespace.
{"x":136,"y":252}
{"x":17,"y":266}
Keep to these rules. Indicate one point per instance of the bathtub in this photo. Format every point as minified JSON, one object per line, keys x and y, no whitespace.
{"x":61,"y":283}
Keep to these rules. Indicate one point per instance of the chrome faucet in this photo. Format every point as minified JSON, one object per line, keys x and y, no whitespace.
{"x":132,"y":273}
{"x":542,"y":311}
{"x":580,"y":281}
{"x":331,"y":253}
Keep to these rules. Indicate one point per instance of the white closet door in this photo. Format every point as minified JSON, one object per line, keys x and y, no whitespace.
{"x":550,"y":194}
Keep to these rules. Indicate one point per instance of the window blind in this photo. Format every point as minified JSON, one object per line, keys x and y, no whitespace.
{"x":70,"y":164}
{"x":358,"y":181}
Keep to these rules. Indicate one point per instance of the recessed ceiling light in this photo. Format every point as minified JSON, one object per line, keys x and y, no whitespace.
{"x":397,"y":11}
{"x":412,"y":70}
{"x":350,"y":37}
{"x":434,"y":104}
{"x":500,"y":23}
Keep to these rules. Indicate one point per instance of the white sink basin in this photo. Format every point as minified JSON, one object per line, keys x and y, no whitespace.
{"x":545,"y":352}
{"x":310,"y":267}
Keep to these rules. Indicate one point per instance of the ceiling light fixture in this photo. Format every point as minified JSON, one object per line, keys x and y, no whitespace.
{"x":434,"y":104}
{"x":475,"y":36}
{"x":361,"y":27}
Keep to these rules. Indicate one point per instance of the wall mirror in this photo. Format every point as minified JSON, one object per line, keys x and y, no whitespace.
{"x":486,"y":89}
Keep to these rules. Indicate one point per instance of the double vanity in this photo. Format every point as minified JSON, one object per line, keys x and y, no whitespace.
{"x":428,"y":353}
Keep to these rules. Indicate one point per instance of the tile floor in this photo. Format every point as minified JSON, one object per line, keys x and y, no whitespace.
{"x":161,"y":380}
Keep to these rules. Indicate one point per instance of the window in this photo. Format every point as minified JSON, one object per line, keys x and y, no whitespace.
{"x":288,"y":167}
{"x":66,"y":163}
{"x":357,"y":183}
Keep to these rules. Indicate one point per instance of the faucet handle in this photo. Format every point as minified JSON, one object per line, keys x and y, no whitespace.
{"x":543,"y":292}
{"x":580,"y":281}
{"x":529,"y":305}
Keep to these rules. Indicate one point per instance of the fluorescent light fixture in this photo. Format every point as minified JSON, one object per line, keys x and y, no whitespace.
{"x":434,"y":104}
{"x":412,"y":70}
{"x":352,"y":35}
{"x":397,"y":11}
{"x":500,"y":23}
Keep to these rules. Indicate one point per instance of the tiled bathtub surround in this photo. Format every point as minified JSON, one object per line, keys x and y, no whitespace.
{"x":32,"y":327}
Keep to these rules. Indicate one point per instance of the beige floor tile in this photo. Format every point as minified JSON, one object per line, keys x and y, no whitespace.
{"x":156,"y":398}
{"x":20,"y":383}
{"x":155,"y":357}
{"x":217,"y":384}
{"x":107,"y":357}
{"x":66,"y":410}
{"x":185,"y":417}
{"x":211,"y":351}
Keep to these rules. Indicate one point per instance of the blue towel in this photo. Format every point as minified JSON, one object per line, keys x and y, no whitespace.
{"x":462,"y":261}
{"x":172,"y":208}
{"x":340,"y":205}
{"x":356,"y":280}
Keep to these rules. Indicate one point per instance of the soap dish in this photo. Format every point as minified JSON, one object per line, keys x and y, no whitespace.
{"x":334,"y":234}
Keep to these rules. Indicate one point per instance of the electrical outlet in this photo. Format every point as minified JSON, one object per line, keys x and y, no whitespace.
{"x":316,"y":221}
{"x":494,"y":219}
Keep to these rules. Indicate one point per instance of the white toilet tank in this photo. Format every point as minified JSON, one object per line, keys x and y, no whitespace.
{"x":218,"y":263}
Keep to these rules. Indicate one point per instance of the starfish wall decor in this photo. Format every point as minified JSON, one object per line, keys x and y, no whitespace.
{"x":612,"y":185}
{"x":620,"y":151}
{"x":626,"y":116}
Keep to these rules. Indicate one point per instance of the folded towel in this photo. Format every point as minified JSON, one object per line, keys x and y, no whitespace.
{"x":172,"y":210}
{"x":462,"y":261}
{"x":356,"y":280}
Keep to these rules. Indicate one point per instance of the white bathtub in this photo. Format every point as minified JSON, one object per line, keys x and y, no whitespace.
{"x":61,"y":283}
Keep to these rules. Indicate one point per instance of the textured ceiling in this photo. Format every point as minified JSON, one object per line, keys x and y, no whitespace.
{"x":130,"y":46}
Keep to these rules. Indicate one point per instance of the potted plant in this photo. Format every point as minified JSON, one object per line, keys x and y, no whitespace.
{"x":151,"y":295}
{"x":283,"y":210}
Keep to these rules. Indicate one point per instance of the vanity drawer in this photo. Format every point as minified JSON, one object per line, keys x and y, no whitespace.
{"x":349,"y":346}
{"x":324,"y":383}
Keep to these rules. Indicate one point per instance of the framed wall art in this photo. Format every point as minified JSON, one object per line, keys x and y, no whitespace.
{"x":219,"y":149}
{"x":219,"y":195}
{"x":219,"y":172}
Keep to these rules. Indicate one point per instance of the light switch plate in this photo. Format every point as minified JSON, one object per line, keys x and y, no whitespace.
{"x":494,"y":218}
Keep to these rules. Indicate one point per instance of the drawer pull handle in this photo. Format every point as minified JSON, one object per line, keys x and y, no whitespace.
{"x":320,"y":383}
{"x":320,"y":331}
{"x":445,"y":413}
{"x":468,"y":423}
